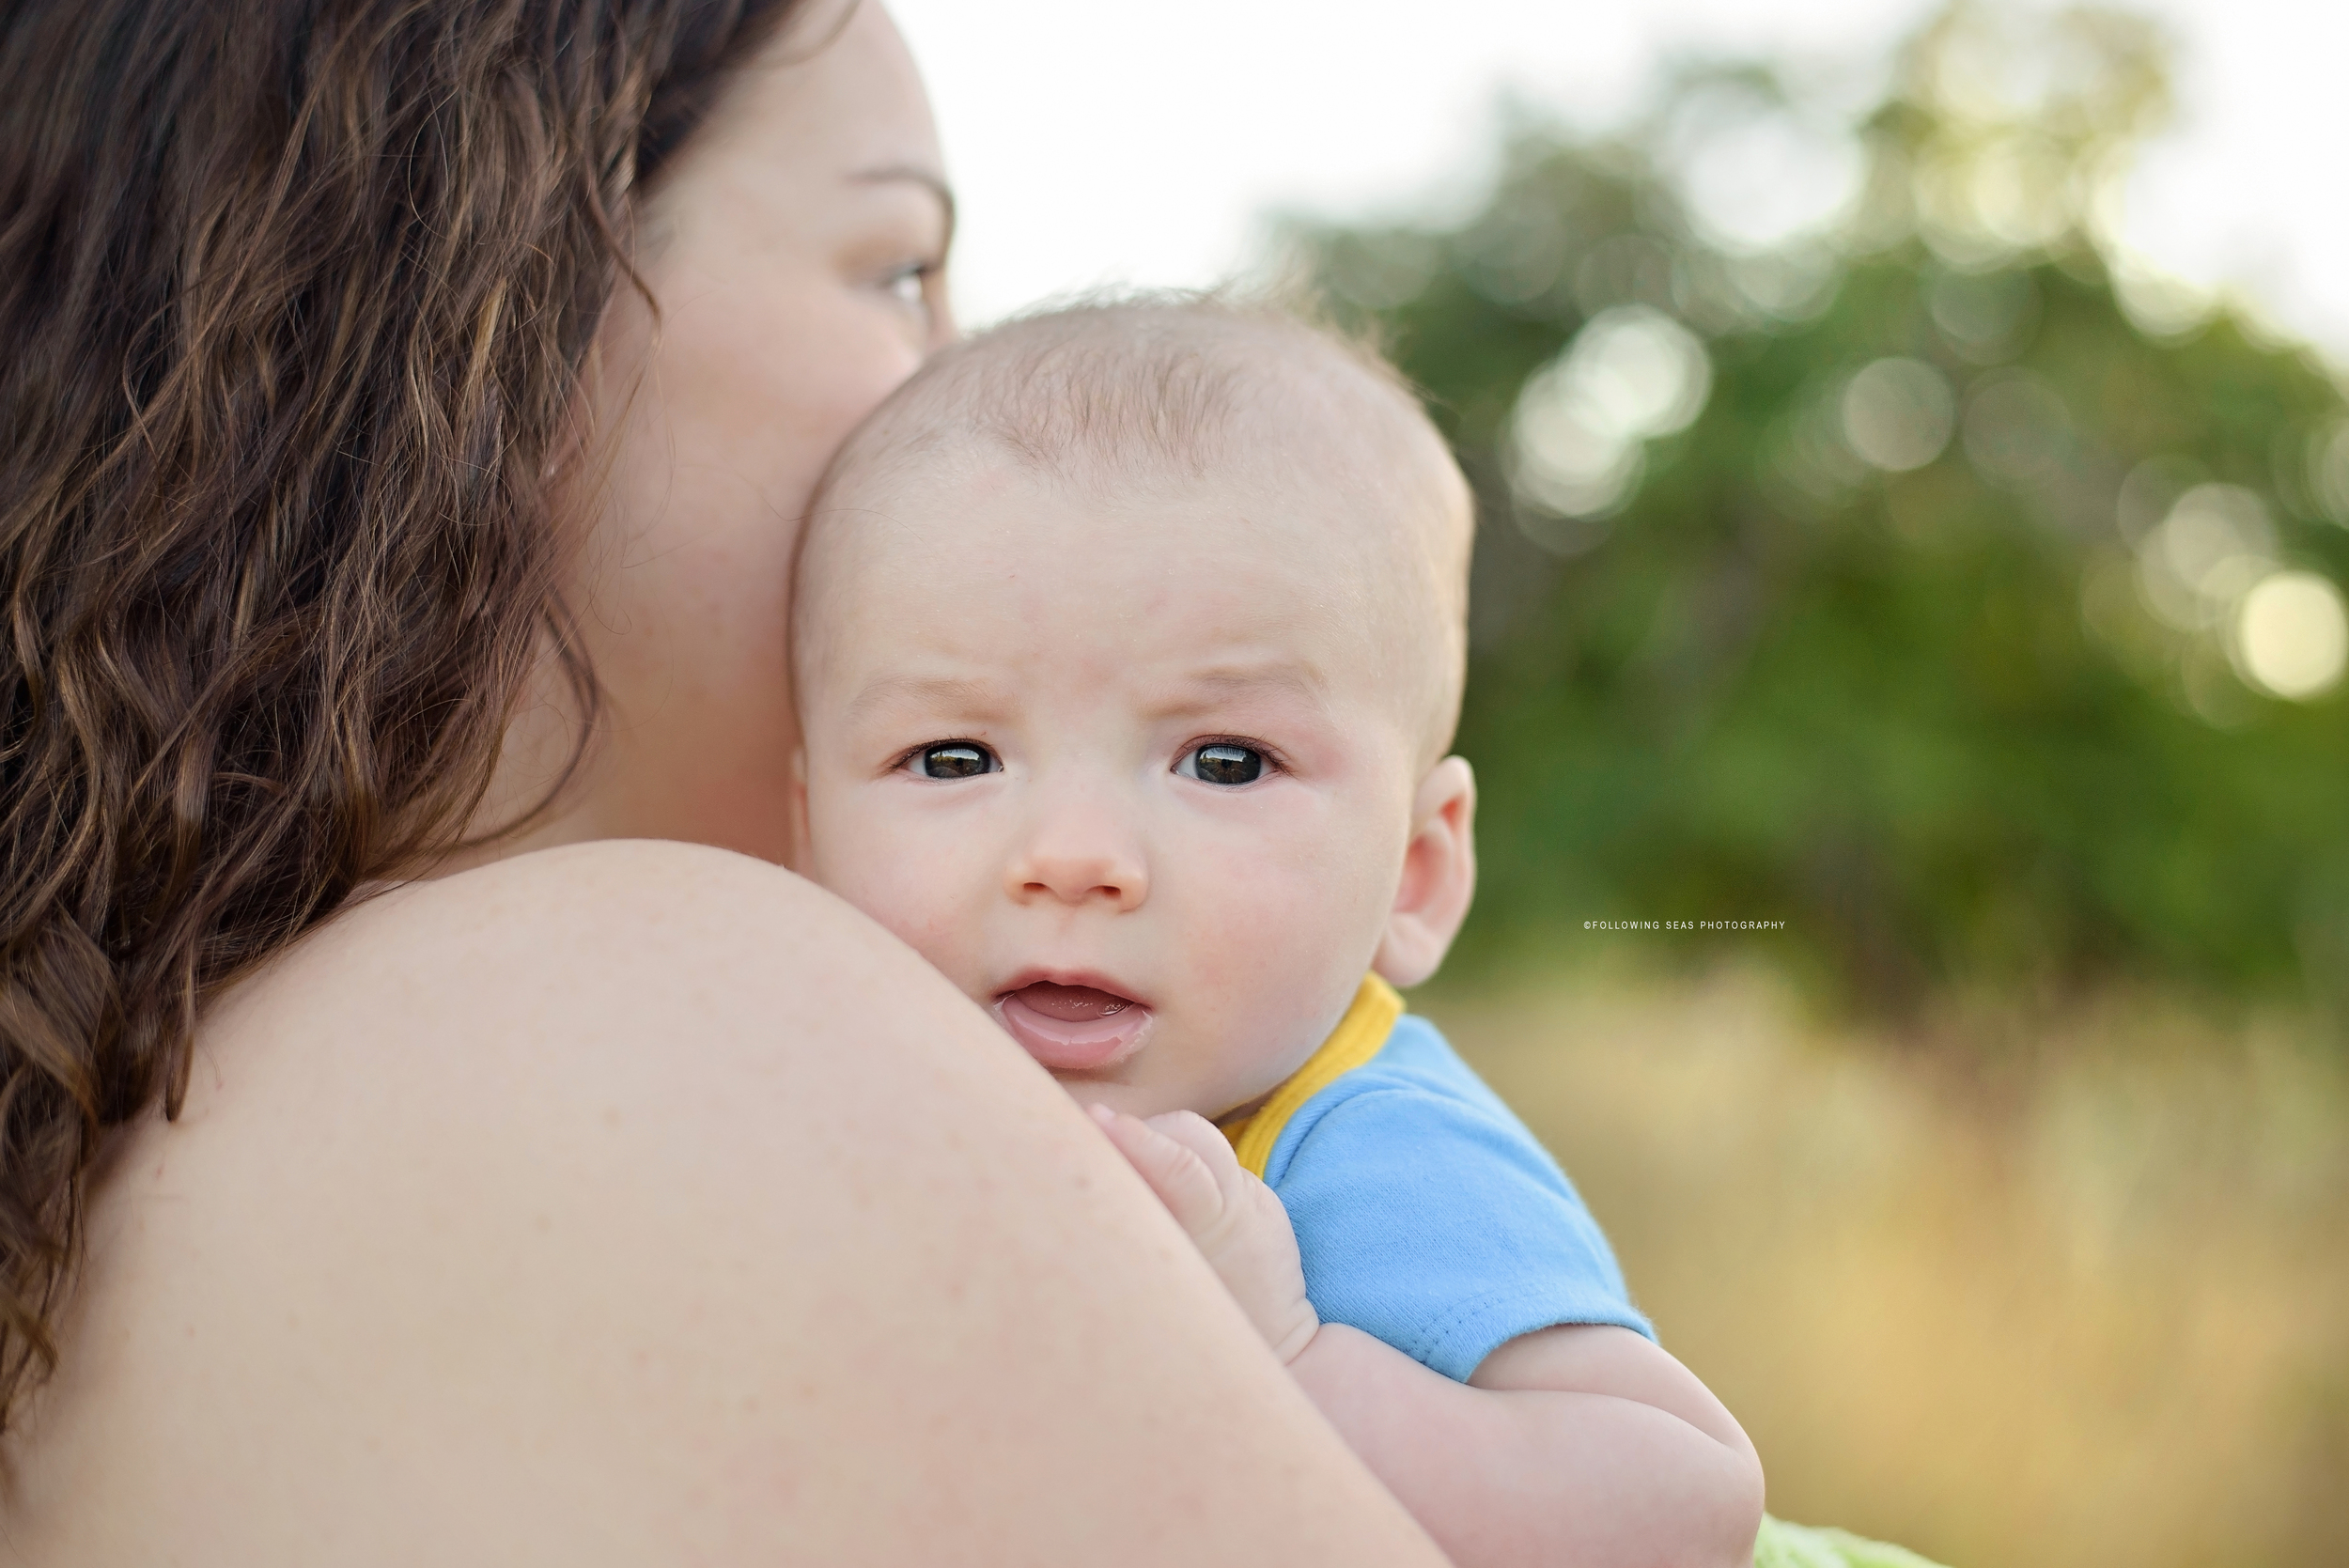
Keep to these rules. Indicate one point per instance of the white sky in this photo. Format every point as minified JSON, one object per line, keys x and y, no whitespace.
{"x":1101,"y":141}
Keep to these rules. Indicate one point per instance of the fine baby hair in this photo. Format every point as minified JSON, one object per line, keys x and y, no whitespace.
{"x":1153,"y":393}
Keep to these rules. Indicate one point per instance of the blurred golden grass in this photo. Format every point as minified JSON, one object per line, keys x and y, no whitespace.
{"x":2018,"y":1297}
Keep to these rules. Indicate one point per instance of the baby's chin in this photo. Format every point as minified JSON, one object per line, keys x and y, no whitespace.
{"x":1138,"y":1092}
{"x":1135,"y":1100}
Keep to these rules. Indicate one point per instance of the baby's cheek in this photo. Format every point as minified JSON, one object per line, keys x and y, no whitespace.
{"x":884,"y":864}
{"x":922,"y":904}
{"x":1298,"y":929}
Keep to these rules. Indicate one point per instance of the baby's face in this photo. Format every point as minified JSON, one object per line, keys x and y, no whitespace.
{"x":1136,"y":774}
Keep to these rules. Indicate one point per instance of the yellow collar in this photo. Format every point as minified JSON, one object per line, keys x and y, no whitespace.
{"x":1355,"y":1040}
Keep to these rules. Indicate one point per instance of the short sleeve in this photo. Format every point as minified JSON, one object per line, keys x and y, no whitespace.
{"x":1441,"y":1226}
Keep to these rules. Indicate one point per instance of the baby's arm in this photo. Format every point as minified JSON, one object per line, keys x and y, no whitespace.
{"x":1587,"y":1445}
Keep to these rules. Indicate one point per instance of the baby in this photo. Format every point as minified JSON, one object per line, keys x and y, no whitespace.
{"x":1129,"y":646}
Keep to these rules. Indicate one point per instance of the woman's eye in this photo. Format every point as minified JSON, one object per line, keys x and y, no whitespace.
{"x":953,"y":759}
{"x":908,"y":286}
{"x":1222,"y":762}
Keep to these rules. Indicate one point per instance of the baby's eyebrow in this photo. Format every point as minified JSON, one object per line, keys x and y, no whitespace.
{"x":959,"y":695}
{"x":1222,"y":682}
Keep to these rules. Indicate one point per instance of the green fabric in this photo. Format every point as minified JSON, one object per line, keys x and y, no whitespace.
{"x":1785,"y":1546}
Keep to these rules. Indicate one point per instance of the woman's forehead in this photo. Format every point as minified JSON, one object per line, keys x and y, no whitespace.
{"x":835,"y":96}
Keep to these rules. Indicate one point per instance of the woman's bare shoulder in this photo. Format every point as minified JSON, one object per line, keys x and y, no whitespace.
{"x":491,"y":1202}
{"x":513,"y":959}
{"x":643,"y":898}
{"x":639,"y":1203}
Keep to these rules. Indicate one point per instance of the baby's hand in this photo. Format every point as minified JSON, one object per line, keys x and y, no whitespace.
{"x":1234,"y":1218}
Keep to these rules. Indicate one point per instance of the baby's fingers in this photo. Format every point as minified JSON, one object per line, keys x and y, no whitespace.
{"x":1199,"y":1134}
{"x":1172,"y":1169}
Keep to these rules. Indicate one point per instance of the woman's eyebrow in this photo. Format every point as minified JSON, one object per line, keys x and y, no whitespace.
{"x":912,"y":174}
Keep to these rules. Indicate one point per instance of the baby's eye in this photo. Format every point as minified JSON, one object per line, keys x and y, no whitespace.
{"x":1223,"y":762}
{"x":953,"y":759}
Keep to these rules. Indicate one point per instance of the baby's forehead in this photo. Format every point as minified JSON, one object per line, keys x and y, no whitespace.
{"x":1308,"y":528}
{"x":1178,"y":433}
{"x":1006,"y":592}
{"x":1282,"y":548}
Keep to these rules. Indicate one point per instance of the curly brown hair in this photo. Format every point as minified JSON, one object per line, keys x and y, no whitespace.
{"x":294,"y":297}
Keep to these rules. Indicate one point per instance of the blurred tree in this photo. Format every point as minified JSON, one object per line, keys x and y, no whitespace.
{"x":1867,"y":546}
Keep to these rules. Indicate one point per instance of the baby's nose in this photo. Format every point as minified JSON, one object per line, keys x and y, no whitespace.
{"x":1079,"y":868}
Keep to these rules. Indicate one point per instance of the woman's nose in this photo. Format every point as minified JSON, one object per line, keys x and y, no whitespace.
{"x":1080,"y":861}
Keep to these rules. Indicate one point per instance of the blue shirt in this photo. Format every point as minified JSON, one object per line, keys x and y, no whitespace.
{"x":1428,"y":1217}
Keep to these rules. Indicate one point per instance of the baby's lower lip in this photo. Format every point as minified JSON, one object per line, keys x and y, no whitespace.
{"x":1073,"y":1029}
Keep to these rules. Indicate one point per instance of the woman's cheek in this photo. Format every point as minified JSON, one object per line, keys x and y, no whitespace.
{"x":851,"y":356}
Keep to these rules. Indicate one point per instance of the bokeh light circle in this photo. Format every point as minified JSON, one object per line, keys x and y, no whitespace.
{"x":1898,"y":414}
{"x":2292,"y":635}
{"x":1577,"y":436}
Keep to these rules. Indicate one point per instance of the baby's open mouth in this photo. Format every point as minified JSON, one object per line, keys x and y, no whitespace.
{"x":1072,"y":1028}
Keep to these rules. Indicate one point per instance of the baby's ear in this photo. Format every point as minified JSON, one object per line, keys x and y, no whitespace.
{"x":796,"y":806}
{"x":1438,"y":875}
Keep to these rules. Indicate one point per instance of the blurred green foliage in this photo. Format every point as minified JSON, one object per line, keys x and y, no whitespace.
{"x":1921,"y":660}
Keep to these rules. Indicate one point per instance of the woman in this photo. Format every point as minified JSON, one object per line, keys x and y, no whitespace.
{"x":407,"y":408}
